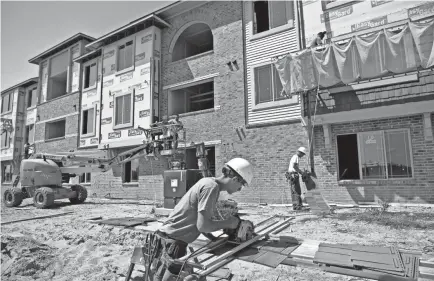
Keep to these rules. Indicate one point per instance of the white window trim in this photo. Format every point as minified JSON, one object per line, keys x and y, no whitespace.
{"x":12,"y":105}
{"x":9,"y":142}
{"x":3,"y":179}
{"x":94,"y":122}
{"x":270,"y":104}
{"x":85,"y":178}
{"x":34,"y":131}
{"x":35,"y":89}
{"x":385,"y":156}
{"x":340,"y":3}
{"x":84,"y":74}
{"x":122,"y":42}
{"x":126,"y":125}
{"x":131,"y":172}
{"x":54,"y":121}
{"x":290,"y":24}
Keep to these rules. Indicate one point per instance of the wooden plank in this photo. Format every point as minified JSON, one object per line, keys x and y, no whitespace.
{"x":306,"y":251}
{"x":244,"y":245}
{"x":333,"y":259}
{"x":373,"y":265}
{"x":392,"y":261}
{"x":341,"y":251}
{"x":270,"y":259}
{"x":37,"y":218}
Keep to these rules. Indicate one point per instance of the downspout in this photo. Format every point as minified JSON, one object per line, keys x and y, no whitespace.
{"x":100,"y":98}
{"x":243,"y":22}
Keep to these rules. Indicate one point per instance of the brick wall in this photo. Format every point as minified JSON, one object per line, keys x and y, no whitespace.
{"x":420,"y":189}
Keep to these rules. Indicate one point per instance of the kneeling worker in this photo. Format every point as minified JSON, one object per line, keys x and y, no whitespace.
{"x":193,"y":216}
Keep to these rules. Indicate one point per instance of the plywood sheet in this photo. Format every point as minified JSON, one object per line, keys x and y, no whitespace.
{"x":306,"y":251}
{"x":127,"y":221}
{"x":333,"y":259}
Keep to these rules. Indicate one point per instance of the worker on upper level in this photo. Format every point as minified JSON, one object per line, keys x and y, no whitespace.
{"x":293,"y":176}
{"x":193,"y":216}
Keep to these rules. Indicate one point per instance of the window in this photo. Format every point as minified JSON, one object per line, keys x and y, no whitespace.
{"x":375,"y":155}
{"x":5,"y":139}
{"x":6,"y":173}
{"x":30,"y":134}
{"x":123,"y":111}
{"x":31,"y":98}
{"x":191,"y":159}
{"x":57,"y":82}
{"x":131,"y":171}
{"x":54,"y":130}
{"x":267,"y":84}
{"x":90,"y":76}
{"x":7,"y":101}
{"x":85,"y":178}
{"x":125,"y":55}
{"x":271,"y":14}
{"x":191,"y":99}
{"x":88,"y":122}
{"x":194,"y":40}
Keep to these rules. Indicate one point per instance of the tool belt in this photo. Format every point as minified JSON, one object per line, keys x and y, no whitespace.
{"x":162,"y":251}
{"x":292,"y":176}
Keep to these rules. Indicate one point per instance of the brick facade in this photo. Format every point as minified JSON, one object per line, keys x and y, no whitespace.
{"x":419,"y":189}
{"x":268,"y":148}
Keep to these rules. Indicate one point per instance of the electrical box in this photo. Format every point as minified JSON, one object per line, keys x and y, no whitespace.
{"x":177,"y":183}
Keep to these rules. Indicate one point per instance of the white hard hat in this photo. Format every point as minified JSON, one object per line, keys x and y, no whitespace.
{"x":302,"y":149}
{"x":243,"y":168}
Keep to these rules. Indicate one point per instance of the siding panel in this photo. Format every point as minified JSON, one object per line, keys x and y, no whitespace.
{"x":262,"y":50}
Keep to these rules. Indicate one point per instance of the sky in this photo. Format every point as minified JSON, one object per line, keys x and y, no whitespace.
{"x":29,"y":28}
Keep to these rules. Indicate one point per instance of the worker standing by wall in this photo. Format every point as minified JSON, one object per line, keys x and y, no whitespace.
{"x":193,"y":216}
{"x":293,"y":176}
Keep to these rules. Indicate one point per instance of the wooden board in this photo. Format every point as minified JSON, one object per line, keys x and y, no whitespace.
{"x":270,"y":259}
{"x":333,"y":259}
{"x":387,"y":258}
{"x":127,"y":221}
{"x":306,"y":250}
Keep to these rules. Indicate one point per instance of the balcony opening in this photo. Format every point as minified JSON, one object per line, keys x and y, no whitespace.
{"x":54,"y":130}
{"x":191,"y":99}
{"x":195,"y":40}
{"x":57,"y":81}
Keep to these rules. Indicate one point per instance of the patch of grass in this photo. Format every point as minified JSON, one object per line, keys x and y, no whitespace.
{"x":397,"y":220}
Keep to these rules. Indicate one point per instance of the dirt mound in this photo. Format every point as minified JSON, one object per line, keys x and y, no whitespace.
{"x":24,"y":258}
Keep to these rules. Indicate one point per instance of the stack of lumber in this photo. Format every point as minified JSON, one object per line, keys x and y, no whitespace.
{"x":384,"y":260}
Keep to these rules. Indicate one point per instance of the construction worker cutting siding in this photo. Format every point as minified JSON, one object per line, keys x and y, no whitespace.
{"x":293,"y":176}
{"x":193,"y":216}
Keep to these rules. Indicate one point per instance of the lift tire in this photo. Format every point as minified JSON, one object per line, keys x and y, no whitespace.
{"x":44,"y":198}
{"x":13,"y":197}
{"x":81,"y":194}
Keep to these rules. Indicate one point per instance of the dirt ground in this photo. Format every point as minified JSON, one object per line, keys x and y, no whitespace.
{"x":71,"y":248}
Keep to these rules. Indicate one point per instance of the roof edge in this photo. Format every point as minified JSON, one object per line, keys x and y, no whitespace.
{"x":36,"y":59}
{"x":25,"y":83}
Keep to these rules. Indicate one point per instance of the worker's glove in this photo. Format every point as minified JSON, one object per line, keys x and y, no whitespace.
{"x":288,"y":175}
{"x":305,"y":176}
{"x":245,"y":231}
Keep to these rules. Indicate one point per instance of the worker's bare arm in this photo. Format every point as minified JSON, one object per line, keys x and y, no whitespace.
{"x":205,"y":223}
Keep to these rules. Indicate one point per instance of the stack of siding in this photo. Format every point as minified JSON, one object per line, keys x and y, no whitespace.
{"x":382,"y":260}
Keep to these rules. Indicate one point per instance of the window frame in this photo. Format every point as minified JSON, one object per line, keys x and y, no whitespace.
{"x":118,"y":45}
{"x":89,"y":63}
{"x":51,"y":122}
{"x":48,"y":96}
{"x":340,"y":4}
{"x":34,"y":91}
{"x":387,"y":178}
{"x":4,"y":173}
{"x":123,"y":125}
{"x":10,"y":103}
{"x":27,"y":135}
{"x":289,"y":23}
{"x":271,"y":104}
{"x":8,"y":140}
{"x":93,"y":133}
{"x":86,"y":179}
{"x":131,"y":172}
